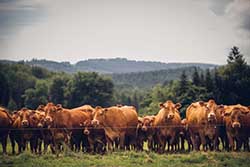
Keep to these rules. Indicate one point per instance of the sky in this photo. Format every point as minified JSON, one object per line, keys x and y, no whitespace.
{"x":150,"y":30}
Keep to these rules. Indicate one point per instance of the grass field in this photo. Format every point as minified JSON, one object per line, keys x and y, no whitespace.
{"x":128,"y":158}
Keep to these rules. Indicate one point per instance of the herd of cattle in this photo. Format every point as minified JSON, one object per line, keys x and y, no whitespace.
{"x":206,"y":126}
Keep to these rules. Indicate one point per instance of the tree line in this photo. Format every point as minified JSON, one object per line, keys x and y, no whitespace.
{"x":29,"y":86}
{"x":228,"y":84}
{"x":22,"y":85}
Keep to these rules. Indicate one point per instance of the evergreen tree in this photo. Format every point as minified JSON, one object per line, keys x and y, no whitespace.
{"x":196,"y":78}
{"x":183,"y":84}
{"x":235,"y":79}
{"x":209,"y":81}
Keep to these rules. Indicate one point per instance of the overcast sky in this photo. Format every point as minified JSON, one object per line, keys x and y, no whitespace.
{"x":155,"y":30}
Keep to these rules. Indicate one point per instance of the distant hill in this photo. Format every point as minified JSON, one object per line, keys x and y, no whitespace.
{"x":109,"y":66}
{"x":150,"y":78}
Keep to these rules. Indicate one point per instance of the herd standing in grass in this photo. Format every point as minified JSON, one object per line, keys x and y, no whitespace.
{"x":97,"y":130}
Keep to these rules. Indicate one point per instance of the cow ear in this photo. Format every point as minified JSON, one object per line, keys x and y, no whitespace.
{"x":139,"y":121}
{"x":40,"y":107}
{"x":24,"y":109}
{"x":220,"y":106}
{"x":119,"y":105}
{"x":161,"y":105}
{"x":245,"y":111}
{"x":202,"y":103}
{"x":152,"y":118}
{"x":33,"y":111}
{"x":98,"y":107}
{"x":177,"y":105}
{"x":227,"y":113}
{"x":59,"y":106}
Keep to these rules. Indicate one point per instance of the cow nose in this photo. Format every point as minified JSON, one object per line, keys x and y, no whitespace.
{"x":25,"y":123}
{"x":48,"y":119}
{"x":144,"y":128}
{"x":170,"y":116}
{"x":86,"y":131}
{"x":95,"y":122}
{"x":236,"y":125}
{"x":211,"y":115}
{"x":39,"y":125}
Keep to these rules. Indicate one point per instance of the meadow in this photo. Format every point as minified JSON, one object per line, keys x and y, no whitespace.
{"x":127,"y":159}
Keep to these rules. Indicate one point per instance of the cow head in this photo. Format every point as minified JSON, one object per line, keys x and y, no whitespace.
{"x":236,"y":113}
{"x":169,"y":109}
{"x":147,"y":122}
{"x":50,"y":112}
{"x":211,"y":108}
{"x":140,"y":123}
{"x":34,"y":119}
{"x":98,"y":116}
{"x":87,"y":125}
{"x":24,"y":115}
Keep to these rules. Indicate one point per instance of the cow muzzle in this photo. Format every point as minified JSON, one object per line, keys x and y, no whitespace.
{"x":144,"y":128}
{"x":86,"y":132}
{"x":211,"y":117}
{"x":170,"y":116}
{"x":25,"y":123}
{"x":236,"y":125}
{"x":95,"y":122}
{"x":48,"y":120}
{"x":39,"y":125}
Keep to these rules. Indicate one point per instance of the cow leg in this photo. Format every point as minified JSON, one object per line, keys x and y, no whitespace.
{"x":150,"y":143}
{"x":238,"y":144}
{"x":32,"y":146}
{"x":231,"y":142}
{"x":203,"y":142}
{"x":194,"y":141}
{"x":12,"y":141}
{"x":182,"y":140}
{"x":122,"y":141}
{"x":13,"y":145}
{"x":4,"y":144}
{"x":162,"y":144}
{"x":110,"y":144}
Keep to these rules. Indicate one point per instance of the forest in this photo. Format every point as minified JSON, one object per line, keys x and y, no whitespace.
{"x":23,"y":85}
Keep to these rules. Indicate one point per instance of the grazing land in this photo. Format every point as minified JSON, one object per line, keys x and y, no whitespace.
{"x":129,"y":158}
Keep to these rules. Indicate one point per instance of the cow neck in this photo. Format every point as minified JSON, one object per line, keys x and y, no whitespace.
{"x":9,"y":116}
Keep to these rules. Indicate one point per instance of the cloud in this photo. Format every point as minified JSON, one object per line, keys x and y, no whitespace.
{"x":14,"y":14}
{"x":218,"y":7}
{"x":239,"y":11}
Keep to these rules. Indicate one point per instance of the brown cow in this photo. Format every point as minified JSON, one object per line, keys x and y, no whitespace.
{"x":184,"y":135}
{"x":149,"y":131}
{"x":168,"y":122}
{"x":79,"y":115}
{"x":59,"y":123}
{"x":246,"y":130}
{"x":96,"y":137}
{"x":44,"y":132}
{"x":236,"y":118}
{"x":5,"y":125}
{"x":203,"y":124}
{"x":132,"y":121}
{"x":67,"y":121}
{"x":114,"y":122}
{"x":140,"y":135}
{"x":23,"y":130}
